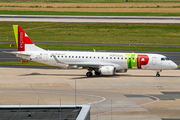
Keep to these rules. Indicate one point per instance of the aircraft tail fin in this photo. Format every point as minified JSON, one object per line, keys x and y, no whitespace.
{"x":23,"y":42}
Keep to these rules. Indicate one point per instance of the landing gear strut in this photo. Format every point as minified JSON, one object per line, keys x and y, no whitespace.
{"x":97,"y":73}
{"x":89,"y":74}
{"x":158,"y":73}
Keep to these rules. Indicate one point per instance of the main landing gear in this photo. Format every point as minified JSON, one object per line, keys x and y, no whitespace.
{"x":89,"y":73}
{"x":158,"y":73}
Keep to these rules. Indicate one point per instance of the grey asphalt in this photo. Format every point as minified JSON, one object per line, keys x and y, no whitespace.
{"x":174,"y":56}
{"x":107,"y":44}
{"x":135,"y":95}
{"x":120,"y":19}
{"x":89,"y":17}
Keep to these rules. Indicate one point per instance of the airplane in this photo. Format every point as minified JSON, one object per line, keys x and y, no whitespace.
{"x":102,"y":63}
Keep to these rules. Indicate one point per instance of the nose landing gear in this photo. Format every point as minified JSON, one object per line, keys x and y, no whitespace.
{"x":158,"y":73}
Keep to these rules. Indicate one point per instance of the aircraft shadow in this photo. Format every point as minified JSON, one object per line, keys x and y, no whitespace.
{"x":34,"y":74}
{"x":94,"y":76}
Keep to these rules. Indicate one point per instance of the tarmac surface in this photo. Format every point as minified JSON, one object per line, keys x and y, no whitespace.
{"x":117,"y":19}
{"x":135,"y":95}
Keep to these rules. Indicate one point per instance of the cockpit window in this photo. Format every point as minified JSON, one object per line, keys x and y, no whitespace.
{"x":162,"y":59}
{"x":167,"y":58}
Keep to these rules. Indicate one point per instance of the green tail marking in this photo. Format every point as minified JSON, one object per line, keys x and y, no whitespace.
{"x":15,"y":27}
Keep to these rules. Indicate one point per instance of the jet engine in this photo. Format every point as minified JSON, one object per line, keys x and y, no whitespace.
{"x":107,"y":70}
{"x":122,"y":71}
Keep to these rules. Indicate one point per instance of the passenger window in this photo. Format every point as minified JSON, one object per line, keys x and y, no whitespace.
{"x":121,"y":58}
{"x":62,"y":56}
{"x":90,"y":57}
{"x":58,"y":56}
{"x":65,"y":56}
{"x":126,"y":58}
{"x":110,"y":57}
{"x":102,"y":57}
{"x":82,"y":56}
{"x":72,"y":56}
{"x":76,"y":56}
{"x":86,"y":56}
{"x":98,"y":57}
{"x":51,"y":56}
{"x":69,"y":56}
{"x":79,"y":56}
{"x":94,"y":57}
{"x":118,"y":57}
{"x":114,"y":57}
{"x":106,"y":57}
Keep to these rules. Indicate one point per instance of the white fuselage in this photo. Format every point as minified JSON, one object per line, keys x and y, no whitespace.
{"x":94,"y":59}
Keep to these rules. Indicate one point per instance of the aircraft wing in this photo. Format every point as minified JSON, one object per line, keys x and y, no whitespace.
{"x":92,"y":64}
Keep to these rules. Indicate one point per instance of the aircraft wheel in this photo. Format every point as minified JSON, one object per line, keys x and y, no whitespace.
{"x":97,"y":73}
{"x":157,"y":75}
{"x":89,"y":74}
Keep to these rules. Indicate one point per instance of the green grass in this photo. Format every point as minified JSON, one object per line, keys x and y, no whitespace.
{"x":31,"y":63}
{"x":100,"y":47}
{"x":116,"y":33}
{"x":88,"y":13}
{"x":86,"y":1}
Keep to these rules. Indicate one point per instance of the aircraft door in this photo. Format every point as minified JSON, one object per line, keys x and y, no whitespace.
{"x":45,"y":57}
{"x":154,"y":60}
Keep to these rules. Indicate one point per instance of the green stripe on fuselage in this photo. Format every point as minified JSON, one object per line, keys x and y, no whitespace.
{"x":131,"y":60}
{"x":15,"y":27}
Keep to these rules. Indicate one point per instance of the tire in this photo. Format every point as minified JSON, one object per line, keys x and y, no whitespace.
{"x":157,"y":75}
{"x":89,"y":74}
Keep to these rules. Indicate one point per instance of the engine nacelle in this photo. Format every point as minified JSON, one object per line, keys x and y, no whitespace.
{"x":122,"y":71}
{"x":107,"y":70}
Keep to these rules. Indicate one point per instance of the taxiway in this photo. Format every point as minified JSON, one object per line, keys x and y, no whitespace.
{"x":135,"y":95}
{"x":116,"y":19}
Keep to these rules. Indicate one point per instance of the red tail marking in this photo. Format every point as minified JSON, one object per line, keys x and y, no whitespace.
{"x":22,"y":39}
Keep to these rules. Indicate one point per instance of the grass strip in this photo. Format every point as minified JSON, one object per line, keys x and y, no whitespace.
{"x":99,"y":47}
{"x":9,"y":12}
{"x":114,"y":33}
{"x":31,"y":63}
{"x":88,"y":1}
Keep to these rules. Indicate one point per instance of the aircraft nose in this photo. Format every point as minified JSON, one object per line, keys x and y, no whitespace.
{"x":174,"y":65}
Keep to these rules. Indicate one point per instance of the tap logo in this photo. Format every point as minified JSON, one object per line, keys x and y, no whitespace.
{"x":136,"y":60}
{"x":21,"y":40}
